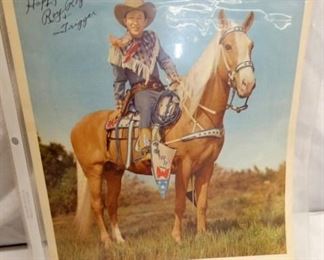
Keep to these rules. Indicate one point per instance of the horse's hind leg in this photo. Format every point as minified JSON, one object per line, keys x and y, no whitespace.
{"x":94,"y":176}
{"x":113,"y":179}
{"x":201,"y":186}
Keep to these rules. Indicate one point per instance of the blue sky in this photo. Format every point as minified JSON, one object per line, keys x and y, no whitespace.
{"x":69,"y":77}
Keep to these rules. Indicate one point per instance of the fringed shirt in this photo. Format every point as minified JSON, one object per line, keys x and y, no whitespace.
{"x":137,"y":62}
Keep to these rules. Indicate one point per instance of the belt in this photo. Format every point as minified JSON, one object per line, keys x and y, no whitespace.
{"x":152,"y":84}
{"x":137,"y":87}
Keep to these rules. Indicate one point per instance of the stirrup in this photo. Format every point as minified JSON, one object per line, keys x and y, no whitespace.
{"x":146,"y":150}
{"x":144,"y":157}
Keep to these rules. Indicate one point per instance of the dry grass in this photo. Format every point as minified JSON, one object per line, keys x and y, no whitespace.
{"x":245,"y":217}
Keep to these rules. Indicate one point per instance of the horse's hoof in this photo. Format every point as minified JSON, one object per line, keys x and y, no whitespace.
{"x":106,"y":243}
{"x":117,"y":236}
{"x":178,"y":241}
{"x":120,"y":240}
{"x":177,"y":238}
{"x":204,"y":235}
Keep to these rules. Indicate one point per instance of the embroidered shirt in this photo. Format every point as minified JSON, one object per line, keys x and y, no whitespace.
{"x":139,"y":65}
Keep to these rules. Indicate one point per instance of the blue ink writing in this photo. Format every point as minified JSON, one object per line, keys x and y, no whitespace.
{"x":60,"y":14}
{"x":78,"y":25}
{"x":34,"y":5}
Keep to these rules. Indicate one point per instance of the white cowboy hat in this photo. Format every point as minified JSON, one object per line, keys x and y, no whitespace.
{"x":122,"y":9}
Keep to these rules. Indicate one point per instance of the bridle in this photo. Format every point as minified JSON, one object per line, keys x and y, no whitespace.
{"x":232,"y":73}
{"x":218,"y":132}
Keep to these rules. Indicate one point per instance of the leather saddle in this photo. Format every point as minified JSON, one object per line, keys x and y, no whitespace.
{"x":167,"y":111}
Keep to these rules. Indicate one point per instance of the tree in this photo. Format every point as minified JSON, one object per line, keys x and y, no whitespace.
{"x":60,"y":176}
{"x":56,"y":161}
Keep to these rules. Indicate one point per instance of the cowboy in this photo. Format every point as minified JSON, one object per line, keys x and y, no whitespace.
{"x":135,"y":58}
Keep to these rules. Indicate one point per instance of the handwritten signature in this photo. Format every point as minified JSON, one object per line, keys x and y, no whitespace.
{"x":59,"y":14}
{"x":82,"y":23}
{"x":33,"y":5}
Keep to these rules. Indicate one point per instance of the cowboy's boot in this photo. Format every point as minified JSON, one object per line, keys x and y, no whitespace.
{"x":143,"y":143}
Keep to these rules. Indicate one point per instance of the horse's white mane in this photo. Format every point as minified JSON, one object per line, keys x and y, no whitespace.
{"x":195,"y":81}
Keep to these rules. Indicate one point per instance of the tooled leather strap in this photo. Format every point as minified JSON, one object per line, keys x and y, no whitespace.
{"x":231,"y":30}
{"x":152,"y":84}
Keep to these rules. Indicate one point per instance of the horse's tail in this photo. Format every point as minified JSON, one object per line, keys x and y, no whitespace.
{"x":84,"y":216}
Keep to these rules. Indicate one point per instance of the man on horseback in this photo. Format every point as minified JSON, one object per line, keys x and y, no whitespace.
{"x":134,"y":58}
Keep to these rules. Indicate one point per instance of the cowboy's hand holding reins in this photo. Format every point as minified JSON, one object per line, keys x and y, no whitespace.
{"x":175,"y":80}
{"x":174,"y":85}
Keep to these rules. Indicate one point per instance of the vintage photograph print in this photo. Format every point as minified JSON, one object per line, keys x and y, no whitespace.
{"x":162,"y":126}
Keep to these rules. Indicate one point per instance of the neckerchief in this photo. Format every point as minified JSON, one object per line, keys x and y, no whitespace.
{"x":144,"y":48}
{"x":139,"y":55}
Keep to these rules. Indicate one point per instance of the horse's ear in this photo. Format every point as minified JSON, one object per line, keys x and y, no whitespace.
{"x":223,"y":22}
{"x":248,"y":22}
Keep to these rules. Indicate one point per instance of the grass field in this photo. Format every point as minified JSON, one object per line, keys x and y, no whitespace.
{"x":245,"y":217}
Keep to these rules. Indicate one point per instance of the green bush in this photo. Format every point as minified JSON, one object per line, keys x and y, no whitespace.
{"x":63,"y":196}
{"x":60,"y":177}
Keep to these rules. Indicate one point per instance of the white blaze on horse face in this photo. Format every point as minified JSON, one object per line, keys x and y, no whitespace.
{"x":245,"y":79}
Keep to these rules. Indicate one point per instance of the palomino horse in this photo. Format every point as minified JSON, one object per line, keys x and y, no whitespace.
{"x":225,"y":64}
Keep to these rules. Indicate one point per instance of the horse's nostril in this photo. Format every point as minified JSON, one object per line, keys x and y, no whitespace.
{"x":248,"y":84}
{"x":244,"y":83}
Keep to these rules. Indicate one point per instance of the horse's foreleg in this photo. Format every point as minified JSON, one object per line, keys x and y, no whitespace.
{"x":94,"y":176}
{"x":181,"y":184}
{"x":113,"y":179}
{"x":201,"y":186}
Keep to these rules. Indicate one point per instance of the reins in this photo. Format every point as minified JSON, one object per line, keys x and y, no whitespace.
{"x":231,"y":75}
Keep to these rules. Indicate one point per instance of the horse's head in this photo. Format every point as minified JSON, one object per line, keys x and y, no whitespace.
{"x":236,"y":49}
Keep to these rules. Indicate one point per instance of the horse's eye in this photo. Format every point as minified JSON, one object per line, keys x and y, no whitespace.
{"x":228,"y":47}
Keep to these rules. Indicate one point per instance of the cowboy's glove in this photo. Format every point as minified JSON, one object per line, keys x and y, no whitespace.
{"x":175,"y":82}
